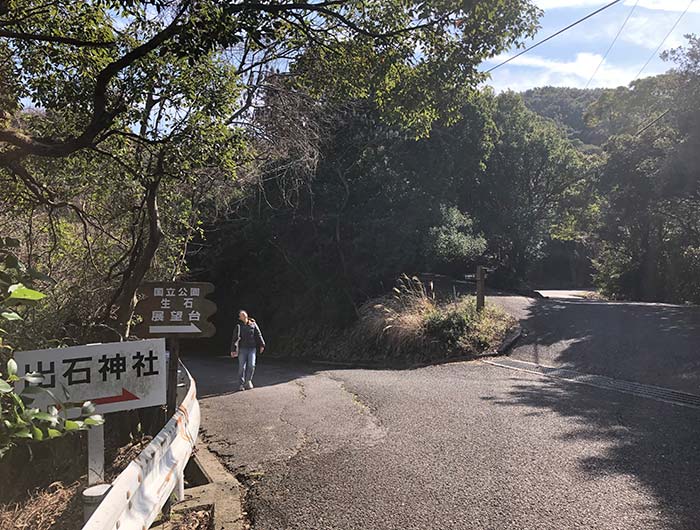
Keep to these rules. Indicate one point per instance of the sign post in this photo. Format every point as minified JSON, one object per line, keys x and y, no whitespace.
{"x":114,"y":376}
{"x":480,"y":287}
{"x":174,"y":310}
{"x":173,"y":363}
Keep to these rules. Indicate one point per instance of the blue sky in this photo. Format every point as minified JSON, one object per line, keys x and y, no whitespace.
{"x":571,"y":58}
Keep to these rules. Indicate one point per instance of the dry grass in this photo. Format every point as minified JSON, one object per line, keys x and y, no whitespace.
{"x":57,"y":507}
{"x":197,"y":519}
{"x":394,"y":324}
{"x":410,"y":326}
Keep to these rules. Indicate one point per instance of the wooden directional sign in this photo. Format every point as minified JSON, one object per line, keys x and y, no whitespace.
{"x":175,"y":309}
{"x":114,"y":376}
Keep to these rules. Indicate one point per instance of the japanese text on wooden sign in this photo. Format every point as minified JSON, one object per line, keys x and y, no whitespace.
{"x":114,"y":376}
{"x":175,"y":309}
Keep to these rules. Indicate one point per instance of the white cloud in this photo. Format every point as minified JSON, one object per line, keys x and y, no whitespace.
{"x":645,"y":31}
{"x":656,"y":5}
{"x":530,"y":71}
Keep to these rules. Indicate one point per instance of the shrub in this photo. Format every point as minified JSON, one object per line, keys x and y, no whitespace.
{"x":19,"y":421}
{"x":410,"y":326}
{"x":460,"y":329}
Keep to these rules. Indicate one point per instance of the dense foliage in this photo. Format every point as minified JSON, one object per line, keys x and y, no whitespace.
{"x":303,"y":155}
{"x":485,"y":189}
{"x":649,"y":234}
{"x":568,"y":107}
{"x":20,"y":423}
{"x":125,"y":124}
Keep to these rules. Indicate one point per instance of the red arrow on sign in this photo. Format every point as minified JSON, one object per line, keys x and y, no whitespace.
{"x":125,"y":396}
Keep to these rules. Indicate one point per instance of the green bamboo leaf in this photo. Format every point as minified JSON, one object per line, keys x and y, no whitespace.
{"x":45,"y":416}
{"x":94,"y":420}
{"x":53,"y":433}
{"x":71,"y":425}
{"x":33,"y":378}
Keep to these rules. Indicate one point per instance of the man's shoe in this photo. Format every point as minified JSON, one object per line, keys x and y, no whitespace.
{"x":242,"y":387}
{"x":249,"y":385}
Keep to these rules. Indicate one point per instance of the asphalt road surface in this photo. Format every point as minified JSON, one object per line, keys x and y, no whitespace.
{"x":472,"y":445}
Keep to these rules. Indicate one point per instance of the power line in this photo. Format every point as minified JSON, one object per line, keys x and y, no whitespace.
{"x":654,"y":121}
{"x":656,"y":51}
{"x":555,"y":35}
{"x":629,"y":15}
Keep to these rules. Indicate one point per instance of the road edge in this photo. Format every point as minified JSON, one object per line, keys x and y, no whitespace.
{"x":222,"y":492}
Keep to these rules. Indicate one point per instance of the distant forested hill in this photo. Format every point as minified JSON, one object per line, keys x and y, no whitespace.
{"x":566,"y":106}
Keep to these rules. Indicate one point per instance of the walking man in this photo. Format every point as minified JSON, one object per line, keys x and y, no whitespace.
{"x":246,"y":344}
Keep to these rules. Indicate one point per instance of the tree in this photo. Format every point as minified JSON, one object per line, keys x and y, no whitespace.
{"x":517,"y":197}
{"x":650,"y":238}
{"x":567,"y":107}
{"x":453,"y":242}
{"x":158,"y":95}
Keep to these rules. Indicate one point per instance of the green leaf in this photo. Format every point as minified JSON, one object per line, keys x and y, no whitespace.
{"x":45,"y":416}
{"x":53,"y":433}
{"x":71,"y":425}
{"x":37,"y":433}
{"x":5,"y":387}
{"x":9,"y":242}
{"x":11,"y":367}
{"x":8,"y":314}
{"x":36,"y":275}
{"x":33,"y":378}
{"x":94,"y":420}
{"x":20,"y":292}
{"x":29,"y":414}
{"x":22,"y":433}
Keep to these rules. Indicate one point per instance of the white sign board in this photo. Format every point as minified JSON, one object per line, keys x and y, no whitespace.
{"x":114,"y":376}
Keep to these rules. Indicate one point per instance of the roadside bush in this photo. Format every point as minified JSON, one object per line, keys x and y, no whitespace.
{"x":461,"y":329}
{"x":411,"y":327}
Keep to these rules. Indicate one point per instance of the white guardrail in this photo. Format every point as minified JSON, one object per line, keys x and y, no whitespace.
{"x":140,"y":491}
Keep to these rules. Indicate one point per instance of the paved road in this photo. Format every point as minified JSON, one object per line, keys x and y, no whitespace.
{"x":458,"y":446}
{"x":656,"y":344}
{"x":471,"y":445}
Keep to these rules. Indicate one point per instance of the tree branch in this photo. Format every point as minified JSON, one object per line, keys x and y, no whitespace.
{"x":21,"y":35}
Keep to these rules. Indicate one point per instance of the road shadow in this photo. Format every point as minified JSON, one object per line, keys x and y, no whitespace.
{"x":646,"y":343}
{"x":216,"y":376}
{"x":656,"y":443}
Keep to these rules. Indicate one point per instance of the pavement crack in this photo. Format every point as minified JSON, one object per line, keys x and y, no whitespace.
{"x":302,"y":389}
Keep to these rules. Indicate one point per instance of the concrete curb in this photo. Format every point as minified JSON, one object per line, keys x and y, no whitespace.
{"x":508,"y":342}
{"x":222,"y":492}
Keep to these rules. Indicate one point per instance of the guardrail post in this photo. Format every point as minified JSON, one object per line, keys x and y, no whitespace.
{"x":92,"y":497}
{"x":96,"y":455}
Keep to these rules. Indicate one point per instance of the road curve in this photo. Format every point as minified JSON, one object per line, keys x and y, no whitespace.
{"x":458,"y":446}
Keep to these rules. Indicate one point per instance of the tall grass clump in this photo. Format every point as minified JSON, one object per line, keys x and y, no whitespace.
{"x":410,"y":326}
{"x":392,"y":326}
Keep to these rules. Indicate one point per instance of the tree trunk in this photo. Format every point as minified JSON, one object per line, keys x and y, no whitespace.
{"x":124,"y":300}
